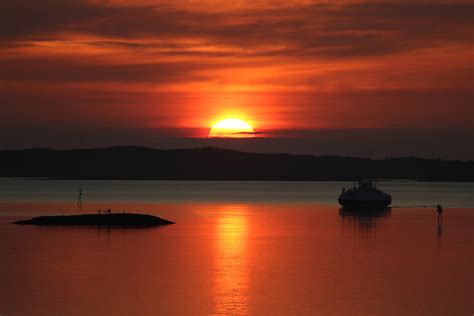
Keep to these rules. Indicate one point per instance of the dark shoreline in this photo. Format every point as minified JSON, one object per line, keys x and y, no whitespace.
{"x":215,"y":164}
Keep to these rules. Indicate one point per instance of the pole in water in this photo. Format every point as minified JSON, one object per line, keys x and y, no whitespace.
{"x":79,"y":199}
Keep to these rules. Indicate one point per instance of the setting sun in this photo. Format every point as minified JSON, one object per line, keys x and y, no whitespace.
{"x":232,"y":128}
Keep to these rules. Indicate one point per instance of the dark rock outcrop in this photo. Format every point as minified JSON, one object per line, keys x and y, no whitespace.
{"x":116,"y":220}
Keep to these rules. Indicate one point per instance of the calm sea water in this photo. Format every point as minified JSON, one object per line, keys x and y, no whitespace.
{"x":259,"y":248}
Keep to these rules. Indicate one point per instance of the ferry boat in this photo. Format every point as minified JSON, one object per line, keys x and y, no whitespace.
{"x":364,"y":194}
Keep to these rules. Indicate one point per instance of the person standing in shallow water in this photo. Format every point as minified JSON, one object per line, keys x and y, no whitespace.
{"x":439,"y":209}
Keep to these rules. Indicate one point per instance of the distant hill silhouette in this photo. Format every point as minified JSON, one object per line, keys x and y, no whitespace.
{"x":219,"y":164}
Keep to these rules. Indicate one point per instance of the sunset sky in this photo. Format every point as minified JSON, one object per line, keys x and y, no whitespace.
{"x":365,"y":78}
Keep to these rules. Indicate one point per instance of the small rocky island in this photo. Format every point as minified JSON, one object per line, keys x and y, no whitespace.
{"x":109,"y":220}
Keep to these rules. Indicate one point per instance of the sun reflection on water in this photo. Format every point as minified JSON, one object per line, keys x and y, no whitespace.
{"x":231,"y":269}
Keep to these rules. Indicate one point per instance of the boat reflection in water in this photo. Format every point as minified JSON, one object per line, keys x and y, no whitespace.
{"x":364,"y":218}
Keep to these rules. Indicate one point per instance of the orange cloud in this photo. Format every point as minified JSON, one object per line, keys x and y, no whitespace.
{"x":286,"y":67}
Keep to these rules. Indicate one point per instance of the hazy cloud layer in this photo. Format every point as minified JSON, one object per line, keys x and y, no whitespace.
{"x":330,"y":30}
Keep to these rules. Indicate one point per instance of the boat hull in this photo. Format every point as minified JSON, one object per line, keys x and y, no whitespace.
{"x":358,"y":203}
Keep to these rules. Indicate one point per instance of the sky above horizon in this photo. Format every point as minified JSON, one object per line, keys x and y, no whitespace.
{"x":366,"y":78}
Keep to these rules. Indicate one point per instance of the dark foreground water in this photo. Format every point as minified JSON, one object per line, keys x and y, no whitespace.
{"x":265,"y":248}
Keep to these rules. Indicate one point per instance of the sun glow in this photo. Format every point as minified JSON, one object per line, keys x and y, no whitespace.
{"x":232,"y":128}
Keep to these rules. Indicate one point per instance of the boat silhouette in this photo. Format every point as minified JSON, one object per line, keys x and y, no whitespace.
{"x":364,"y":194}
